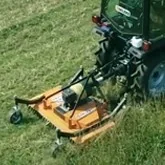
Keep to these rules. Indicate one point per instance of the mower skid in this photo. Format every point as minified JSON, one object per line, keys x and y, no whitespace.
{"x":93,"y":133}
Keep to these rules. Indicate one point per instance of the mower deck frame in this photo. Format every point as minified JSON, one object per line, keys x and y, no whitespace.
{"x":88,"y":120}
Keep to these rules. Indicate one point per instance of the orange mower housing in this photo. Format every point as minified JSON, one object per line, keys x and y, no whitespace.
{"x":82,"y":124}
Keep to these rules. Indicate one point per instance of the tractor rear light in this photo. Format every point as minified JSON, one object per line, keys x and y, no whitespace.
{"x":96,"y":19}
{"x":146,"y":46}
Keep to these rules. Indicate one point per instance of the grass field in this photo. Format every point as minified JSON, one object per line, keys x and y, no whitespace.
{"x":42,"y":43}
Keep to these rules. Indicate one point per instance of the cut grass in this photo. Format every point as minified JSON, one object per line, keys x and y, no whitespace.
{"x":42,"y":43}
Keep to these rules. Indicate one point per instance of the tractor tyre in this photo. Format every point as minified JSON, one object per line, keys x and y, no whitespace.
{"x":149,"y":78}
{"x":104,"y":55}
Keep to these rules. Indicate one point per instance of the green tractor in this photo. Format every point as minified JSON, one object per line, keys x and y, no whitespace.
{"x":133,"y":36}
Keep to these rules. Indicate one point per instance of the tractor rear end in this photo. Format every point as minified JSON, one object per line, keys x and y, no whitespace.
{"x":133,"y":34}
